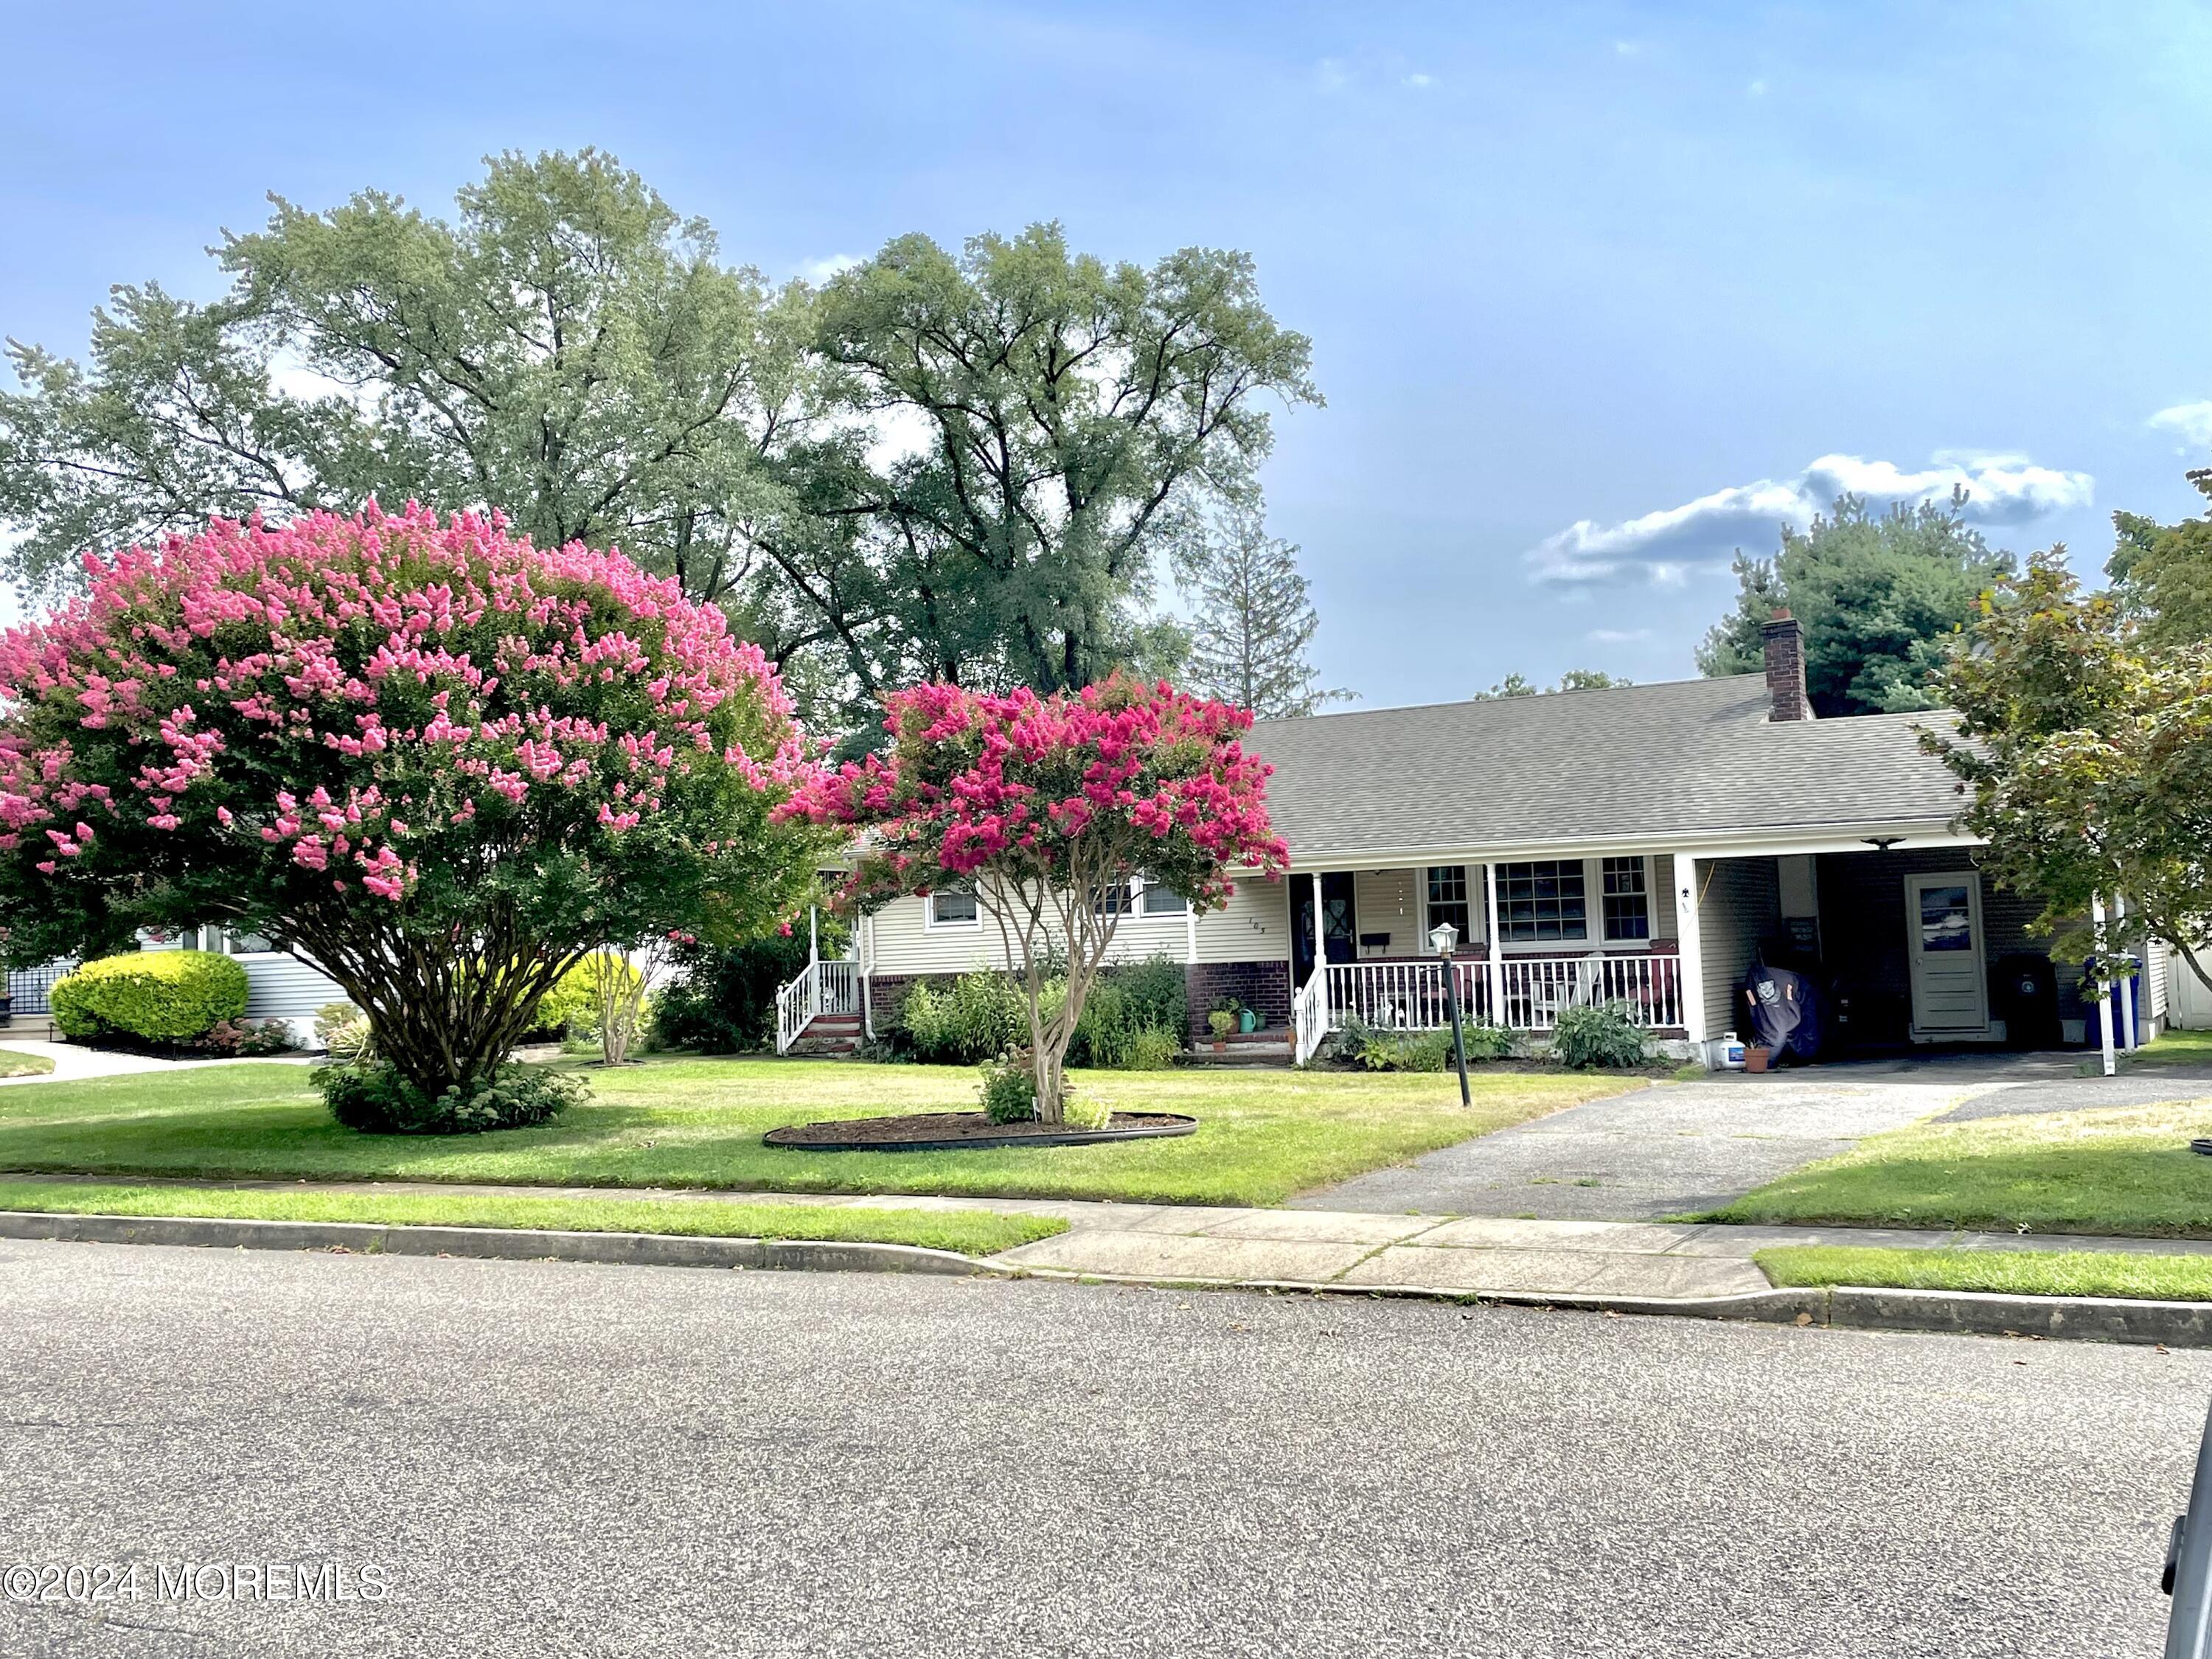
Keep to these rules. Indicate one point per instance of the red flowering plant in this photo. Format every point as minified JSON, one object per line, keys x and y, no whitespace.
{"x":1051,"y":807}
{"x":436,"y":763}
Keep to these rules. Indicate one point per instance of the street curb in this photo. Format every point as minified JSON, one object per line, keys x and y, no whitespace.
{"x":1960,"y":1313}
{"x":1988,"y":1313}
{"x":492,"y":1244}
{"x":1844,"y":1307}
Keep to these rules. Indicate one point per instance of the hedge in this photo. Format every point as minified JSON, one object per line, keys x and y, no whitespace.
{"x":163,"y":996}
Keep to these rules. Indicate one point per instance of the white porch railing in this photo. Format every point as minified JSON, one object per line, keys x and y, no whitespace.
{"x":1530,"y":993}
{"x":1308,"y":1018}
{"x":822,"y":988}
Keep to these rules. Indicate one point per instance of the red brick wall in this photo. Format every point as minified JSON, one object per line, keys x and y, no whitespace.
{"x":1263,"y":986}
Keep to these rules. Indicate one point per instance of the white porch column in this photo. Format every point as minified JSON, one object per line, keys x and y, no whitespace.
{"x":1320,"y":956}
{"x":1493,"y":945}
{"x":1692,"y":955}
{"x":813,"y":934}
{"x":2103,"y":1002}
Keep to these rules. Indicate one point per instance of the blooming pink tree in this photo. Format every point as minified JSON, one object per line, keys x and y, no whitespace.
{"x":434,"y":761}
{"x":1051,"y":806}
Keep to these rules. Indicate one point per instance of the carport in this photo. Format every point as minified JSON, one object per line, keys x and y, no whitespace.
{"x":1909,"y":944}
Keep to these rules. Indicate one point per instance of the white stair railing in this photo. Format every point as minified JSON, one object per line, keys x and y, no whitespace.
{"x":1309,"y":1020}
{"x":822,"y":988}
{"x":796,"y":1005}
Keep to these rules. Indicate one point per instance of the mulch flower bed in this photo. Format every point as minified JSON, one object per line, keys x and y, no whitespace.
{"x":927,"y":1132}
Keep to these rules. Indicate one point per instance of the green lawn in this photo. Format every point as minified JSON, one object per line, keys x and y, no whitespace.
{"x":1263,"y":1136}
{"x":2175,"y":1048}
{"x":2020,"y":1273}
{"x":2125,"y":1170}
{"x":15,"y":1063}
{"x":972,"y":1232}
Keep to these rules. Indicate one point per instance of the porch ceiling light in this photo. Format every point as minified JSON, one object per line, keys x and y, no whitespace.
{"x":1443,"y":937}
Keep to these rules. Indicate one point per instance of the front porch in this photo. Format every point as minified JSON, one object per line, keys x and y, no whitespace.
{"x":1535,"y":937}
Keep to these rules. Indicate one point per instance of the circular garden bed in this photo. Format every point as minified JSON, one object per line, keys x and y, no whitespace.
{"x":944,"y":1132}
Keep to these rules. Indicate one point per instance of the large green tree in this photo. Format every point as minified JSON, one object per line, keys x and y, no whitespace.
{"x":1879,"y":595}
{"x":565,"y":349}
{"x":1253,"y":619}
{"x":2085,"y":749}
{"x":1041,"y":427}
{"x":939,"y":466}
{"x":2162,"y":572}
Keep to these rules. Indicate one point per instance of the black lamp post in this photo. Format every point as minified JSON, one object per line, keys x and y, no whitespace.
{"x":1441,"y":938}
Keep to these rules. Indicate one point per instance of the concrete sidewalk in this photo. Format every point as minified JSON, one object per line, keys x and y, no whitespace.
{"x":1442,"y":1255}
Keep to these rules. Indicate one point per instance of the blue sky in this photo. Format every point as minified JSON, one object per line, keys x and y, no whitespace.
{"x":1596,"y":292}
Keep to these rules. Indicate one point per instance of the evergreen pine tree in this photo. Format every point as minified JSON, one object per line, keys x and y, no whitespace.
{"x":1253,"y":618}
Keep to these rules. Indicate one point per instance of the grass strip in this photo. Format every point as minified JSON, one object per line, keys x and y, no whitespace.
{"x":15,"y":1063}
{"x":1263,"y":1135}
{"x":2015,"y":1273}
{"x":971,"y":1232}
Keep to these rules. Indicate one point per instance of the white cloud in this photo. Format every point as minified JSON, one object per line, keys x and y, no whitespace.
{"x":821,"y":271}
{"x":1756,"y":89}
{"x":1418,"y":81}
{"x":1666,"y":547}
{"x":1619,"y":636}
{"x":2190,"y":423}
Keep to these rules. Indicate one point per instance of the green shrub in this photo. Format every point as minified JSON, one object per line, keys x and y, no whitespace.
{"x":1145,"y":1048}
{"x":723,"y":1001}
{"x":1416,"y":1051}
{"x":243,"y":1039}
{"x":1487,"y":1041}
{"x":372,"y":1097}
{"x":1602,"y":1036}
{"x":160,"y":996}
{"x":983,"y":1014}
{"x":1009,"y":1089}
{"x":343,"y":1029}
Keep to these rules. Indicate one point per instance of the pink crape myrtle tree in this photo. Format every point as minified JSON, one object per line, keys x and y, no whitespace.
{"x":1050,"y":807}
{"x":436,"y":763}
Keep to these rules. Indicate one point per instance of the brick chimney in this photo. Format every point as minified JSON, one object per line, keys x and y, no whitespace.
{"x":1784,"y":640}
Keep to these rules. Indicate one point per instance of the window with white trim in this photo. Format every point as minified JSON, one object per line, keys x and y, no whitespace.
{"x":1542,"y":899}
{"x":1161,"y":900}
{"x":1626,"y":899}
{"x":1113,"y":899}
{"x":1447,"y":885}
{"x":955,"y":907}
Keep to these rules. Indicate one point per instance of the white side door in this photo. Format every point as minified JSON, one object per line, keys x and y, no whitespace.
{"x":1943,"y":942}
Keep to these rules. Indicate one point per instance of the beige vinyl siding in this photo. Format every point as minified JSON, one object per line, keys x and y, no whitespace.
{"x":1387,"y":902}
{"x":1742,"y":903}
{"x":1254,"y":927}
{"x":1660,"y":883}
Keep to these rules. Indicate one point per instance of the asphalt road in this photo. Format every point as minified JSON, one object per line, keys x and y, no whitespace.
{"x":566,"y":1460}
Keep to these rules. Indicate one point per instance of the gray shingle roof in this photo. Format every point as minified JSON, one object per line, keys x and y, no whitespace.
{"x":1673,"y":759}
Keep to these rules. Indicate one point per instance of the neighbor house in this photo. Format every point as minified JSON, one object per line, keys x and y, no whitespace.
{"x":1640,"y":846}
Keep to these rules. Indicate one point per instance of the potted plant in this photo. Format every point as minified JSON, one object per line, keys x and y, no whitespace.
{"x":1221,"y":1020}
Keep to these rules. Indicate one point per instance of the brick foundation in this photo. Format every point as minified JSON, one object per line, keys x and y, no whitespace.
{"x":886,"y":995}
{"x":1263,"y":986}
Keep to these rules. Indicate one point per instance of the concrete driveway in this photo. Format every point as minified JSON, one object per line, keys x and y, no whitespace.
{"x":590,"y":1462}
{"x":1682,"y":1147}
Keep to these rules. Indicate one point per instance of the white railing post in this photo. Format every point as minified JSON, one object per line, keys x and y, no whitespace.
{"x":1310,"y":1019}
